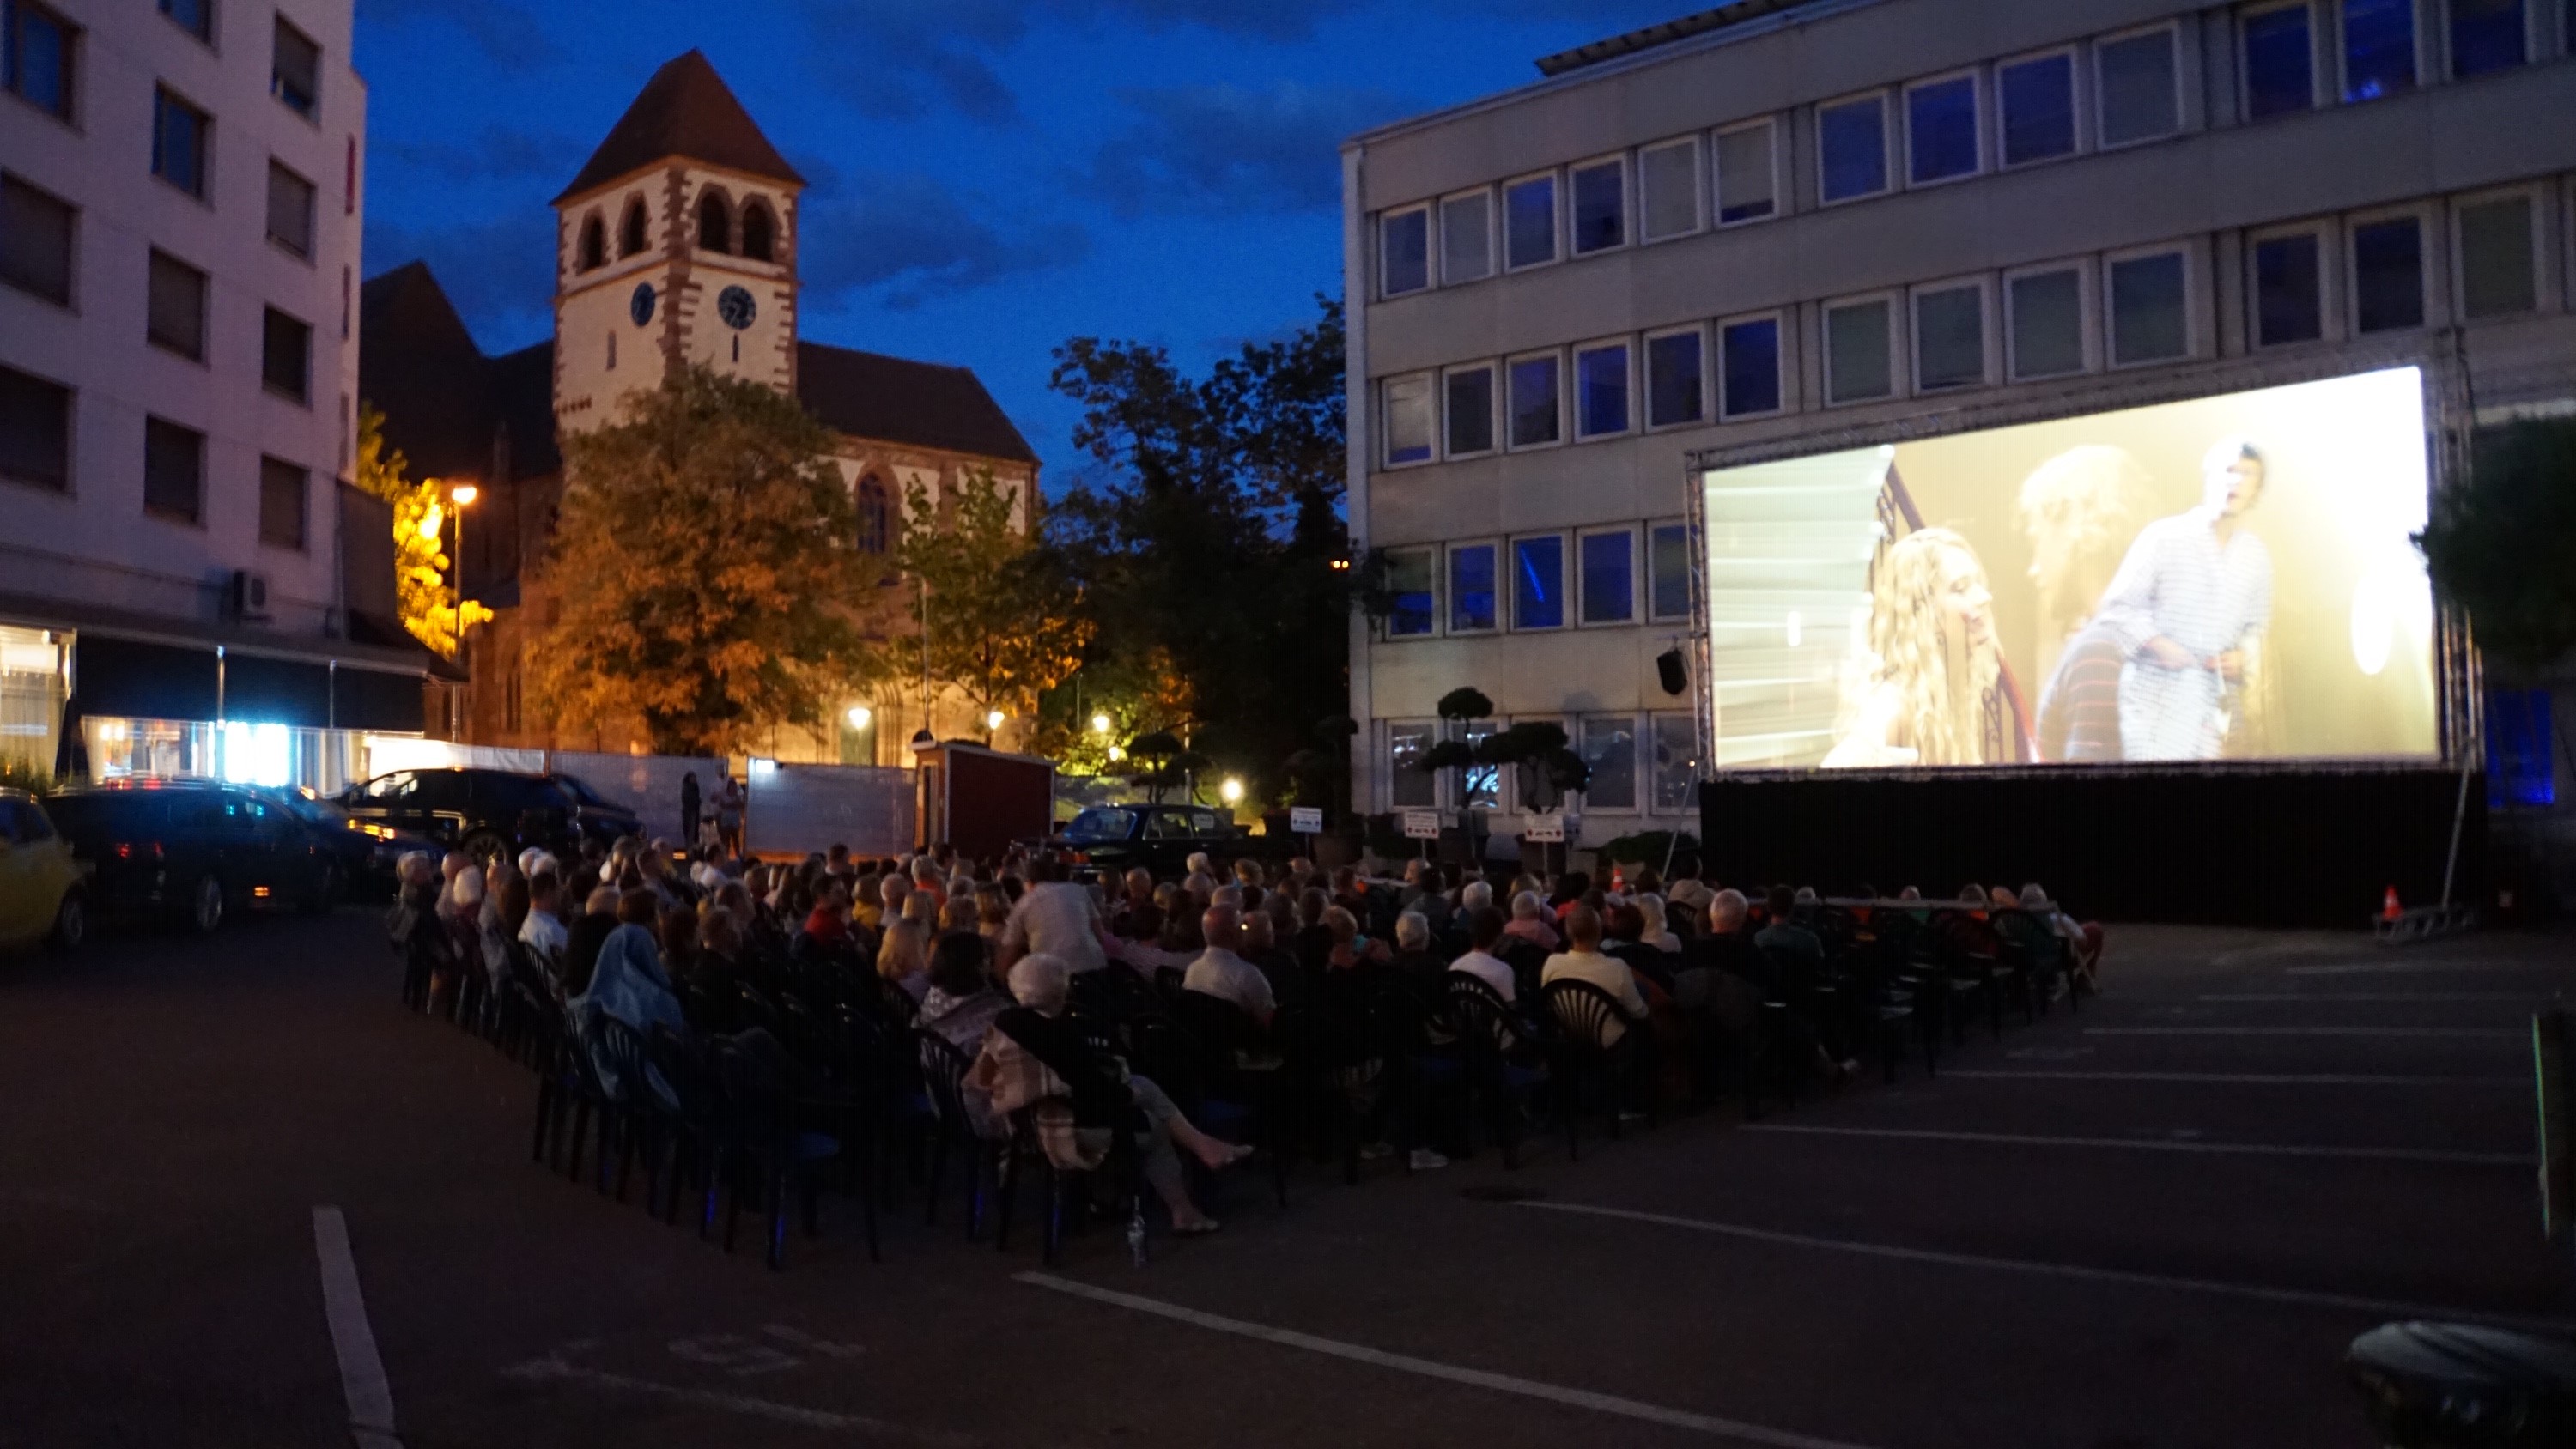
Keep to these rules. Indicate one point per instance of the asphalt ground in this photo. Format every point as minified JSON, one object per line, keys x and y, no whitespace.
{"x":2157,"y":1223}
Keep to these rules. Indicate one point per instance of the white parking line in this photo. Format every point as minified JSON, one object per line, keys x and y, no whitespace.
{"x":2341,"y":1302}
{"x":2332,"y":997}
{"x":353,"y":1343}
{"x":2408,"y":968}
{"x":2244,"y":1079}
{"x":556,"y":1368}
{"x":2454,"y":1033}
{"x":1427,"y":1368}
{"x":2164,"y":1144}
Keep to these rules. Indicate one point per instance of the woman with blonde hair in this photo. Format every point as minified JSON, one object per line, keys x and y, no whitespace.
{"x":904,"y":957}
{"x":1930,"y":687}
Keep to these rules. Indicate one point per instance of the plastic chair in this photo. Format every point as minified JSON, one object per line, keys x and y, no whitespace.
{"x":1587,"y":1048}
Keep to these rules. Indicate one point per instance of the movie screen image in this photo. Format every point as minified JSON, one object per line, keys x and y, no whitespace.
{"x":2223,"y":578}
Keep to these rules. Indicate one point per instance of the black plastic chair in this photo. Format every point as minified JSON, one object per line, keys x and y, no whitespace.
{"x":775,"y":1153}
{"x":1586,"y":1048}
{"x":943,"y":1076}
{"x":1025,"y":1149}
{"x":1488,"y":1034}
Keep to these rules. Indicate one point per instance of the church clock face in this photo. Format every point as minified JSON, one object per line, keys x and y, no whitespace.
{"x":640,"y":306}
{"x":735,"y":306}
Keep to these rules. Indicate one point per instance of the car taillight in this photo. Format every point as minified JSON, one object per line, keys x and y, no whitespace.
{"x":124,"y":850}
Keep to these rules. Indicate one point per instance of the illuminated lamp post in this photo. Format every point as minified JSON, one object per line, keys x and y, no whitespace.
{"x":461,"y":496}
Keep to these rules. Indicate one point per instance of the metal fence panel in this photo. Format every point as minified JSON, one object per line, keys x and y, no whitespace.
{"x":800,"y":809}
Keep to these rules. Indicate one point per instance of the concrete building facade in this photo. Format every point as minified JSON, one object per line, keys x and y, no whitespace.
{"x":1784,"y":226}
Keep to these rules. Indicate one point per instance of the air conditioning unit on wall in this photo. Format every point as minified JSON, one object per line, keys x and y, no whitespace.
{"x":247,"y":597}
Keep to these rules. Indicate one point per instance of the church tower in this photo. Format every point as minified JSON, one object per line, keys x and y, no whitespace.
{"x":676,"y":243}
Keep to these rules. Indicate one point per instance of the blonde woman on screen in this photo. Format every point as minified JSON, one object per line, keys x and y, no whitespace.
{"x":1928,"y":689}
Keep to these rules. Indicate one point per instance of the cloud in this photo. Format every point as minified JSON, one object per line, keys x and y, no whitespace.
{"x":907,"y":238}
{"x":500,"y":273}
{"x":500,"y":153}
{"x":1224,"y":149}
{"x":508,"y":36}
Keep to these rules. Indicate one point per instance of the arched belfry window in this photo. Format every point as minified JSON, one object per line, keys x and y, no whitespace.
{"x":715,"y":222}
{"x":876,"y":516}
{"x":759,"y":232}
{"x":630,"y":230}
{"x":593,"y":251}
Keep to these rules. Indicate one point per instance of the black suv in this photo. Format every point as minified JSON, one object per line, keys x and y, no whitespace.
{"x":192,"y":850}
{"x":489,"y":813}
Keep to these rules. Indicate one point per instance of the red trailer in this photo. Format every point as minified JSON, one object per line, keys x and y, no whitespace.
{"x":981,"y":800}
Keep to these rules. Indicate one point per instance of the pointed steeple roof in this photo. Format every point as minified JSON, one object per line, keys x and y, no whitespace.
{"x":685,"y":110}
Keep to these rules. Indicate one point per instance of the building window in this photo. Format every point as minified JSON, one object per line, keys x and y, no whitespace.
{"x":1851,"y":148}
{"x":876,"y":517}
{"x":1676,"y":743}
{"x":2289,"y":289}
{"x":36,"y":241}
{"x":1668,"y":571}
{"x":1529,"y":222}
{"x":1408,"y":420}
{"x":295,"y":71}
{"x":2037,"y":97}
{"x":2280,"y":61}
{"x":590,"y":253}
{"x":1534,"y":401}
{"x":1404,"y":251}
{"x":2488,"y":35}
{"x":1601,"y":390}
{"x":1600,"y":205}
{"x":35,"y":431}
{"x":1941,"y":130}
{"x":1676,"y":379}
{"x":181,"y":138}
{"x":2140,"y":86}
{"x":1538,"y":582}
{"x":175,"y":307}
{"x":630,"y":228}
{"x":1609,"y":746}
{"x":1408,"y":785}
{"x":759,"y":232}
{"x":2496,"y":253}
{"x":1747,"y":186}
{"x":286,"y":356}
{"x":1413,"y":606}
{"x":290,"y":211}
{"x":2150,"y":308}
{"x":1949,"y":337}
{"x":174,"y":471}
{"x":1471,"y":588}
{"x":612,"y":352}
{"x":37,"y":50}
{"x":2046,"y":325}
{"x":715,"y":222}
{"x":1467,"y":237}
{"x":2388,"y":275}
{"x":1859,"y":337}
{"x":344,"y":303}
{"x":1668,"y":190}
{"x":1749,"y":364}
{"x":2378,"y":48}
{"x":282,"y":487}
{"x":1470,"y":409}
{"x":1609,"y":577}
{"x":197,"y":17}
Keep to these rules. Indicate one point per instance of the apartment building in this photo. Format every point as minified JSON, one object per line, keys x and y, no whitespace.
{"x":179,"y":220}
{"x":1786,"y":227}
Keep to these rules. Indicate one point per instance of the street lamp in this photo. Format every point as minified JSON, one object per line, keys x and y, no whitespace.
{"x":1231,"y":792}
{"x":994,"y":720}
{"x":1100,"y":724}
{"x":858,"y":716}
{"x":461,"y":496}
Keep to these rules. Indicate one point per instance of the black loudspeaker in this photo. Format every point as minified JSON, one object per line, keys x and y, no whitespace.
{"x":1670,"y":669}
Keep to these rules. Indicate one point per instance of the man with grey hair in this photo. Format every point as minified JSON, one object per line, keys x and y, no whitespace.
{"x":1475,"y":896}
{"x":1222,"y":973}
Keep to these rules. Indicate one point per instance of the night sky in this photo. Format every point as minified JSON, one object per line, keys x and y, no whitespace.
{"x":985,"y":177}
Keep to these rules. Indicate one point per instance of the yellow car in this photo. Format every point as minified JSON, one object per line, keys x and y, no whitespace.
{"x":40,"y":886}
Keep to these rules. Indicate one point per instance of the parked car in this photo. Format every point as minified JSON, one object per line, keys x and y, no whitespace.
{"x":1113,"y":839}
{"x":42,"y":895}
{"x":367,"y":851}
{"x":488,"y":813}
{"x":192,"y":850}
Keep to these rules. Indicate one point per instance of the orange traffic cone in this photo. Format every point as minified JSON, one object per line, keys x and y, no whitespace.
{"x":2389,"y":910}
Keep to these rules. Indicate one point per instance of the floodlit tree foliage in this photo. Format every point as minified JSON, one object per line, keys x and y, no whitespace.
{"x":707,"y":565}
{"x":430,"y":609}
{"x":1004,"y":621}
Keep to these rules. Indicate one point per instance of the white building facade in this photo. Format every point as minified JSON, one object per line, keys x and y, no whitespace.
{"x":179,"y":248}
{"x":1784,"y":227}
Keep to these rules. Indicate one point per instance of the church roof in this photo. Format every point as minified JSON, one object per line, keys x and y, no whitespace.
{"x":685,"y":110}
{"x":420,"y":366}
{"x":895,"y":400}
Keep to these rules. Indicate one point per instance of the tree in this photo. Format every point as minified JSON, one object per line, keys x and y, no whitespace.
{"x":429,"y":608}
{"x":2499,"y":544}
{"x":707,"y":566}
{"x":1004,"y":617}
{"x":1211,"y":553}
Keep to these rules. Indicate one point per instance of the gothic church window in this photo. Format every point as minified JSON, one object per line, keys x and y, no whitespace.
{"x":876,"y":517}
{"x":758,"y":232}
{"x":715,"y":222}
{"x":594,"y":244}
{"x":630,"y":231}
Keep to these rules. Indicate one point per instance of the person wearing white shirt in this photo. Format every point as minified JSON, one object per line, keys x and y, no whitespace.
{"x":1054,"y":919}
{"x":1484,"y":932}
{"x":1220,"y":973}
{"x":1582,"y":960}
{"x":543,"y":932}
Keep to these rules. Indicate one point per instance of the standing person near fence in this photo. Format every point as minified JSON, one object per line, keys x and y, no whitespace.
{"x":729,"y":805}
{"x":689,"y":810}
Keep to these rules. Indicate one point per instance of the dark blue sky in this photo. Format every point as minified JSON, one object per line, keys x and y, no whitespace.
{"x":987,"y":177}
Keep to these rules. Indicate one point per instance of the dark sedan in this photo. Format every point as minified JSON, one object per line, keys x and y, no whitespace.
{"x":1113,"y":839}
{"x":192,"y":851}
{"x":488,"y":813}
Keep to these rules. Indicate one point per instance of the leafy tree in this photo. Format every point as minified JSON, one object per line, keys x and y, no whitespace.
{"x":430,"y":610}
{"x":1211,"y":548}
{"x":1005,"y":620}
{"x":707,"y":565}
{"x":2500,"y":543}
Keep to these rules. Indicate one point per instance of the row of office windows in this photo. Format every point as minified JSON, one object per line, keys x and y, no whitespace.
{"x":2320,"y":279}
{"x":36,"y":431}
{"x":1596,"y":577}
{"x":2116,"y":90}
{"x":41,"y":52}
{"x":1647,"y":763}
